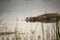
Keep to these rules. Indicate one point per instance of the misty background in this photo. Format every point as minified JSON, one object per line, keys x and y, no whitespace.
{"x":11,"y":9}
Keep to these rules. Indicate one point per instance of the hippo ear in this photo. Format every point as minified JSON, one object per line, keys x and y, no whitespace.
{"x":45,"y":12}
{"x":26,"y":17}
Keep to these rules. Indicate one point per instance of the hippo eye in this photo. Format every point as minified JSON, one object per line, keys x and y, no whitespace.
{"x":44,"y":16}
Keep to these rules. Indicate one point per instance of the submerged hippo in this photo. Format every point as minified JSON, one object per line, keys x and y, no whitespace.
{"x":45,"y":18}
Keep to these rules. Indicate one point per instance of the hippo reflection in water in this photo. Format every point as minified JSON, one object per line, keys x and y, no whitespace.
{"x":45,"y":18}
